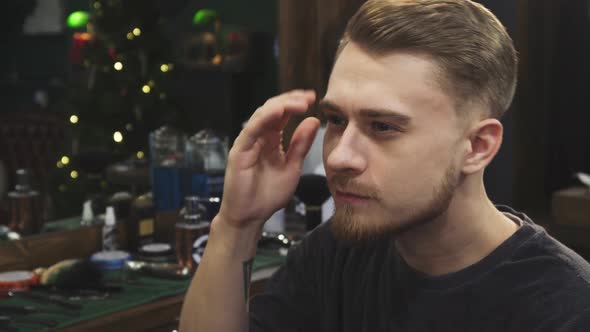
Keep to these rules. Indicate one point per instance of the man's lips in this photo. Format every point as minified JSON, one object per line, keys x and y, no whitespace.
{"x":349,"y":197}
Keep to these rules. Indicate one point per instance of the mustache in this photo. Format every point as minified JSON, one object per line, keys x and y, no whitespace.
{"x":340,"y":182}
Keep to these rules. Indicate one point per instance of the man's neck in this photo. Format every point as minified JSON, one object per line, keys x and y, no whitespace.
{"x":467,"y":232}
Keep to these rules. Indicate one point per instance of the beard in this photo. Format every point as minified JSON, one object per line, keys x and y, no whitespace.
{"x":348,"y":226}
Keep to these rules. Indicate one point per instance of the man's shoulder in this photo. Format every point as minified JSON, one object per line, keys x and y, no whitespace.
{"x":552,"y":281}
{"x":539,"y":255}
{"x":555,"y":260}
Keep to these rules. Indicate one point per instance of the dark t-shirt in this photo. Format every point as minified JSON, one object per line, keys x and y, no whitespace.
{"x":530,"y":282}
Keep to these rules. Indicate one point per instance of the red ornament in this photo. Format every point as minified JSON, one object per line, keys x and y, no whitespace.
{"x":81,"y":40}
{"x":112,"y":53}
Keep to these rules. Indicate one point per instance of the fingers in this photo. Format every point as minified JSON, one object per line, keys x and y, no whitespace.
{"x":273,"y":115}
{"x":301,"y":141}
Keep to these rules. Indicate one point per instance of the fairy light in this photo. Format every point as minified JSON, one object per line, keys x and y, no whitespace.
{"x":118,"y":137}
{"x":74,"y":174}
{"x":136,"y":32}
{"x":65,"y":160}
{"x":118,"y":65}
{"x":74,"y":119}
{"x":140,"y":154}
{"x":146,"y":89}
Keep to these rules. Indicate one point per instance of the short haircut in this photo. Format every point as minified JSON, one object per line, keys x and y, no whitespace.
{"x":475,"y":54}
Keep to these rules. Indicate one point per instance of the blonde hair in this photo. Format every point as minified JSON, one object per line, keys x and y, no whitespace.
{"x":475,"y":54}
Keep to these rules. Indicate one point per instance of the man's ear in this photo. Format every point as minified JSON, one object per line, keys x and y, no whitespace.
{"x":484,"y":139}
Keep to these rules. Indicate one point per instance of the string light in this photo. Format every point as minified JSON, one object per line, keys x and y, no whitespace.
{"x":136,"y":32}
{"x":216,"y":60}
{"x":118,"y":137}
{"x":59,"y":164}
{"x":151,"y":83}
{"x":74,"y":119}
{"x":164,"y":68}
{"x":140,"y":154}
{"x":118,"y":65}
{"x":146,"y":89}
{"x":65,"y":160}
{"x":74,"y":174}
{"x":129,"y":35}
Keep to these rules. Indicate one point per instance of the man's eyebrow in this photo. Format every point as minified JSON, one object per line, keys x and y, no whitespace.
{"x":399,"y":118}
{"x":325,"y":104}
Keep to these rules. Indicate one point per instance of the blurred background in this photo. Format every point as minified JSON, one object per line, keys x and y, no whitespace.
{"x":84,"y":83}
{"x":97,"y":77}
{"x":134,"y":104}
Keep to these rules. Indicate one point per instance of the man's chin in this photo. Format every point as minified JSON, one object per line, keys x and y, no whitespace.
{"x":355,"y":227}
{"x":359,"y":227}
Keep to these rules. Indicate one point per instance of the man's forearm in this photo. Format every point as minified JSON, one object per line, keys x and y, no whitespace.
{"x":217,"y":297}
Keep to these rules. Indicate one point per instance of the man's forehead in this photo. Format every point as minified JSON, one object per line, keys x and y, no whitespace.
{"x":402,"y":81}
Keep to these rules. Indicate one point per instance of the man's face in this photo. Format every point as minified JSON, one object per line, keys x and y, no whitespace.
{"x":391,"y":149}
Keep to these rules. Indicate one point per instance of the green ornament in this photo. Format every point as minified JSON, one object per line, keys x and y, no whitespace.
{"x":78,"y":19}
{"x":204,"y":16}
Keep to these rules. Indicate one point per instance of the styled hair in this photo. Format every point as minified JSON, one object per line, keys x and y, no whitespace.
{"x":475,"y":54}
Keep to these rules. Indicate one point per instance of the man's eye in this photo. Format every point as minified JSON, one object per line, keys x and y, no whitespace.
{"x":335,"y":120}
{"x":382,"y":127}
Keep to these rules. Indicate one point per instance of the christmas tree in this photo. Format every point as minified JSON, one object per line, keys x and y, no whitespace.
{"x":117,"y":92}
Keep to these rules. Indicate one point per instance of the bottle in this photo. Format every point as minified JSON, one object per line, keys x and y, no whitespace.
{"x":141,"y":224}
{"x":192,"y":233}
{"x":205,"y":159}
{"x":87,"y":214}
{"x":167,"y":155}
{"x":109,"y":231}
{"x":24,"y":206}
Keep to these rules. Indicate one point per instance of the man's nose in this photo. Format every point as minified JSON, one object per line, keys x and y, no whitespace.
{"x":348,"y":154}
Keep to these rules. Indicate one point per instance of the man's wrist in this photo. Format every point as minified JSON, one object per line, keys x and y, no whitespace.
{"x":234,"y":242}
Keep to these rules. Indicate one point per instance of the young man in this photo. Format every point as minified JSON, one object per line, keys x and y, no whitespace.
{"x":415,"y":244}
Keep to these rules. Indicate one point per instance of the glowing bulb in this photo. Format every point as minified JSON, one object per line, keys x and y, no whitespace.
{"x":74,"y":118}
{"x":164,"y":68}
{"x":146,"y":89}
{"x":137,"y":32}
{"x":151,"y":83}
{"x":65,"y":160}
{"x":217,"y":59}
{"x":129,"y":35}
{"x":74,"y":174}
{"x":118,"y":137}
{"x":59,"y":164}
{"x":118,"y":65}
{"x":140,"y":155}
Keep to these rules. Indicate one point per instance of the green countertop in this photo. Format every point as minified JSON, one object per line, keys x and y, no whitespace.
{"x":142,"y":290}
